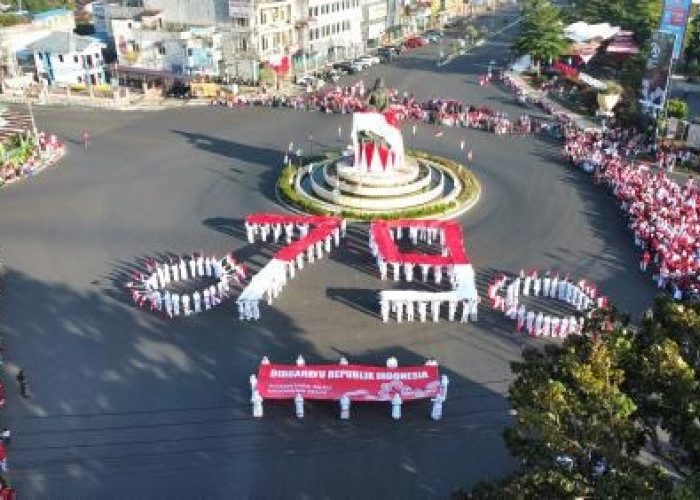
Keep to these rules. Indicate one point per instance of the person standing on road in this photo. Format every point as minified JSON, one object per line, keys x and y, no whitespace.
{"x":86,"y":139}
{"x":22,"y":380}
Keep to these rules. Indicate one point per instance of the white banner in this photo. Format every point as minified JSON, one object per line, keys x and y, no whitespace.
{"x":375,"y":30}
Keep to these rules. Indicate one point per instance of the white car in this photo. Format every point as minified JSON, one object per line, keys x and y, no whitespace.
{"x":358,"y":66}
{"x":369,"y":59}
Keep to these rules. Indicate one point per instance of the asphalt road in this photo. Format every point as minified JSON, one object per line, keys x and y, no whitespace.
{"x":128,"y":405}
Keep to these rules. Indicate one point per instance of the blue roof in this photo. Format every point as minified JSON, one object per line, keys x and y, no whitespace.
{"x":51,"y":13}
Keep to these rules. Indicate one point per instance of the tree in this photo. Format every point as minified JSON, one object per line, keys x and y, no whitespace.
{"x":677,"y":108}
{"x":663,"y":366}
{"x":692,"y":48}
{"x":541,"y":32}
{"x":586,"y":409}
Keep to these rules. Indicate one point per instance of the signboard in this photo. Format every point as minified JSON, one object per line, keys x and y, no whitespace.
{"x":376,"y":30}
{"x":674,"y":19}
{"x":693,"y":139}
{"x":240,"y":8}
{"x":657,"y":70}
{"x":358,"y":382}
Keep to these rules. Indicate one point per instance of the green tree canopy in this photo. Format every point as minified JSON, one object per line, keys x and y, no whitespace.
{"x":586,"y":409}
{"x":541,"y":32}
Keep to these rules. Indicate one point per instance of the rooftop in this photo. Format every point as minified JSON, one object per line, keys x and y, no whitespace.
{"x":63,"y":42}
{"x":51,"y":13}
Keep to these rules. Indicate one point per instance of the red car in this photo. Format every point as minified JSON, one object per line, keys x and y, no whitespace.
{"x":414,"y":42}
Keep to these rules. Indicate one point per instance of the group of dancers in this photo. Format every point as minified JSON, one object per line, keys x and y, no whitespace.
{"x":152,"y":288}
{"x":505,"y":294}
{"x":414,"y":305}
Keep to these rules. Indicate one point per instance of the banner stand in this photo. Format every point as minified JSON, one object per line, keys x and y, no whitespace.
{"x":346,"y":383}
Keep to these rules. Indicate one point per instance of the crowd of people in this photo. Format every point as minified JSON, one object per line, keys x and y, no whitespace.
{"x":405,"y":106}
{"x":48,"y":151}
{"x":664,"y":216}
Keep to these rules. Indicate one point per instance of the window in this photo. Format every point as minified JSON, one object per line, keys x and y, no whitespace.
{"x":265,"y":43}
{"x":41,"y":56}
{"x":311,"y":12}
{"x":80,"y":79}
{"x":76,"y":59}
{"x":316,"y":11}
{"x":128,"y":25}
{"x":60,"y":57}
{"x":161,"y":50}
{"x":97,"y":56}
{"x":189,"y":52}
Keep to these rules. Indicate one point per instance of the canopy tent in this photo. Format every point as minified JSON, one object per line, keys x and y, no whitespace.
{"x":584,"y":32}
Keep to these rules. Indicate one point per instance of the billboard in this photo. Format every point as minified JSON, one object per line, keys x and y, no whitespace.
{"x":674,"y":19}
{"x":656,"y":73}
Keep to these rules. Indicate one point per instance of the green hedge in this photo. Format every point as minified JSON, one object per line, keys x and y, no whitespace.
{"x":286,"y":186}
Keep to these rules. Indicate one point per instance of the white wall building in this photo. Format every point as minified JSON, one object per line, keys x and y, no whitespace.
{"x":64,"y":58}
{"x":334,"y":28}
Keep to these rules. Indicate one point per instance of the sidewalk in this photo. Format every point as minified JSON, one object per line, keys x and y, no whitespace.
{"x":582,"y":122}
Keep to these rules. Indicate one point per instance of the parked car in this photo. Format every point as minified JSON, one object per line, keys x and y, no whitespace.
{"x":357,"y":66}
{"x":344,"y":68}
{"x":369,"y":59}
{"x":180,"y":90}
{"x":330,"y":76}
{"x":414,"y":42}
{"x":432,"y":36}
{"x":362,"y":63}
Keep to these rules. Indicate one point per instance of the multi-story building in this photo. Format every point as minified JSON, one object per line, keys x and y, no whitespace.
{"x":334,"y":28}
{"x":260,"y":31}
{"x":374,"y":17}
{"x":69,"y":59}
{"x":146,"y":42}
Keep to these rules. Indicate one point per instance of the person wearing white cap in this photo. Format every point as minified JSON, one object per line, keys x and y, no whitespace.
{"x":474,"y":308}
{"x":207,"y":299}
{"x":183,"y":269}
{"x":410,"y":311}
{"x":186,"y":304}
{"x":522,"y":312}
{"x":175,"y":271}
{"x":554,"y":286}
{"x":193,"y":266}
{"x":168,"y":302}
{"x":530,"y":322}
{"x":539,"y":324}
{"x":556,"y":323}
{"x":547,"y":326}
{"x":536,"y":284}
{"x":176,"y":304}
{"x":200,"y":266}
{"x":546,"y":282}
{"x":197,"y":302}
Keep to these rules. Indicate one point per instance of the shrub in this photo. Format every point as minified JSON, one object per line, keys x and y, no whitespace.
{"x":677,"y":108}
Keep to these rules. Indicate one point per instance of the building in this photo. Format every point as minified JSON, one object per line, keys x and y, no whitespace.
{"x":260,"y":31}
{"x":64,"y":58}
{"x":191,"y":12}
{"x":334,"y":29}
{"x":55,"y":19}
{"x":147,"y":43}
{"x":374,"y":22}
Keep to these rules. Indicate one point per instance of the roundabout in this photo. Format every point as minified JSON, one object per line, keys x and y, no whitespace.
{"x":118,"y":392}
